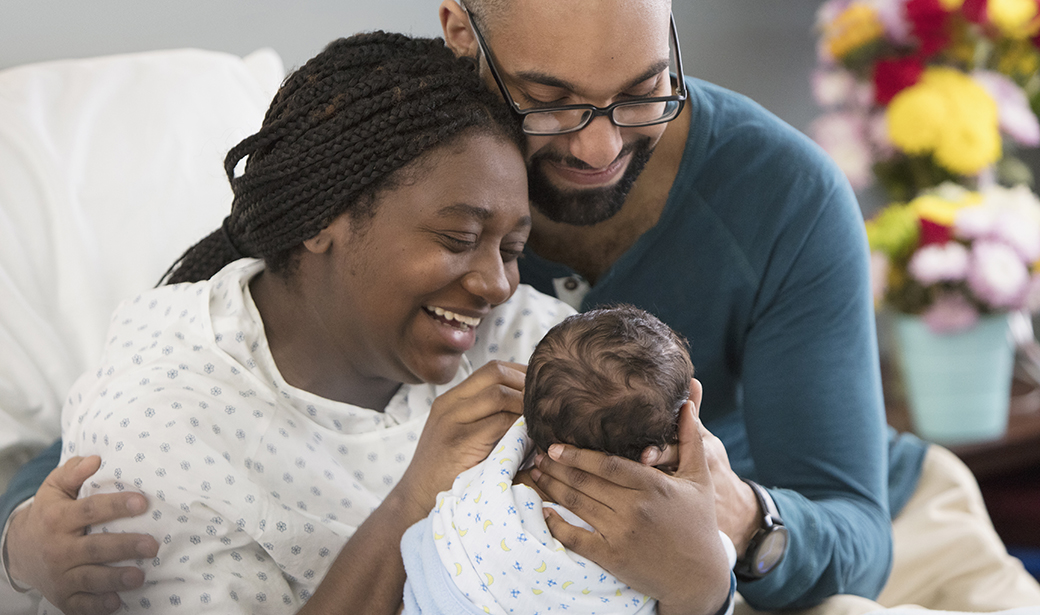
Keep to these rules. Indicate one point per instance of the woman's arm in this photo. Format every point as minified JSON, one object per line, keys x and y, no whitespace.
{"x":464,"y":425}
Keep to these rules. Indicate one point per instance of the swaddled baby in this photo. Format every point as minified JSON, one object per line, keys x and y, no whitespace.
{"x":611,"y":380}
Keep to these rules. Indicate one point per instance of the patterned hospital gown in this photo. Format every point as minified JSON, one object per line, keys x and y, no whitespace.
{"x":254,"y":486}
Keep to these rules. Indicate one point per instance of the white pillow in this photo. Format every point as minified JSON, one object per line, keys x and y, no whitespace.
{"x":109,"y":169}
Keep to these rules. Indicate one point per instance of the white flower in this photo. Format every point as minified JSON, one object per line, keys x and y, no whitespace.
{"x":1015,"y":230}
{"x":833,"y":87}
{"x":997,"y":275}
{"x":843,"y":136}
{"x":939,"y":263}
{"x":975,"y":222}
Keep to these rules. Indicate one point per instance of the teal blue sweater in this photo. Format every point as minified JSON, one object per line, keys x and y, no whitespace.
{"x":760,"y":259}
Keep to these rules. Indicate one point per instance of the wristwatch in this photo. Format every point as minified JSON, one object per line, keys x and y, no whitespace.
{"x":767,"y":547}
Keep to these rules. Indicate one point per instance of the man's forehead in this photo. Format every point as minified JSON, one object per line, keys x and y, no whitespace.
{"x":573,"y":40}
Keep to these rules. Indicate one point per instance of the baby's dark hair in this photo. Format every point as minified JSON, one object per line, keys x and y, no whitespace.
{"x":337,"y":132}
{"x":611,"y":379}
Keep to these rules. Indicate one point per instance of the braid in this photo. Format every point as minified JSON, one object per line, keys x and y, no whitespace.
{"x":335,"y":134}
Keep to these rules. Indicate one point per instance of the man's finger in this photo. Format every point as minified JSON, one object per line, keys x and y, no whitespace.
{"x":105,"y":548}
{"x":611,"y":469}
{"x":573,"y":495}
{"x":693,"y":464}
{"x":69,"y":477}
{"x":102,"y":508}
{"x":91,"y":604}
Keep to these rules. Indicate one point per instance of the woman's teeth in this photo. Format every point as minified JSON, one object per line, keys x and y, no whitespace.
{"x":465,"y":321}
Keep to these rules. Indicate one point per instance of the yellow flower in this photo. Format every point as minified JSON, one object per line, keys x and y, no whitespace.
{"x":1015,"y":18}
{"x":951,"y":5}
{"x":916,"y":118}
{"x":949,"y":115}
{"x":854,"y":27}
{"x":937,"y":209}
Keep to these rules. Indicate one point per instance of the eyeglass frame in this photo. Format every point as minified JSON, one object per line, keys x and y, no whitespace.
{"x":680,"y":95}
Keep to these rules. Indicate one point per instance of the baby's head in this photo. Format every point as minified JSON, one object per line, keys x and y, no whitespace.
{"x":611,"y":380}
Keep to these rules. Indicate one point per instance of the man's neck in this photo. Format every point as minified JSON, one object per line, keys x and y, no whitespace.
{"x":592,"y":250}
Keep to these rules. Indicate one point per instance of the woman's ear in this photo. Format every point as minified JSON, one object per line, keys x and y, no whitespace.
{"x":457,"y":33}
{"x":338,"y":231}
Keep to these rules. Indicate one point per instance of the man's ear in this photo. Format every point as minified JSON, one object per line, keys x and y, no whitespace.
{"x":696,"y":393}
{"x":457,"y":33}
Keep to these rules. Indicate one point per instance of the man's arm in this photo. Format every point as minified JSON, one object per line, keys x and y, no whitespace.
{"x":45,"y":546}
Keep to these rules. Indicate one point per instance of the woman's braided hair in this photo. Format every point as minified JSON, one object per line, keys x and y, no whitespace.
{"x":337,"y":131}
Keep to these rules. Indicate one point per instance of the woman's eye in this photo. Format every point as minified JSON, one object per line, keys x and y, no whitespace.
{"x":457,"y":243}
{"x":512,"y":253}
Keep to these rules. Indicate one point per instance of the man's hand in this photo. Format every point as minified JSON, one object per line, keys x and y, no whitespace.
{"x":49,"y":550}
{"x":654,"y":531}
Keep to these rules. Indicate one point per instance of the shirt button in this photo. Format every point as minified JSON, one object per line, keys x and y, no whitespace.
{"x":570,"y":284}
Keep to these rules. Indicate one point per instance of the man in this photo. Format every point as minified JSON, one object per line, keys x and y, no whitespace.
{"x":737,"y":232}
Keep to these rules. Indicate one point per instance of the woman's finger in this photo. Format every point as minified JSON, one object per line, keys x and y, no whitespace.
{"x":579,"y":540}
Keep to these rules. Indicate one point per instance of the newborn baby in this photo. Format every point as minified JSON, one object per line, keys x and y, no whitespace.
{"x":611,"y":380}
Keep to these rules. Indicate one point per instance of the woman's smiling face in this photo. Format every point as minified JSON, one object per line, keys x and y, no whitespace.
{"x":406,"y":287}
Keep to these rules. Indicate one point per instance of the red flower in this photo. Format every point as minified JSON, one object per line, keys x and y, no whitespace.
{"x":928,"y":21}
{"x":975,"y":11}
{"x":933,"y":232}
{"x":893,"y":76}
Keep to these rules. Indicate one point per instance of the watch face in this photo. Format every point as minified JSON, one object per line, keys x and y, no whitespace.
{"x":771,"y":551}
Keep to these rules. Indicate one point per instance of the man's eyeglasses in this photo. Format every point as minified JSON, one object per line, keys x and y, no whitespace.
{"x":544,"y":121}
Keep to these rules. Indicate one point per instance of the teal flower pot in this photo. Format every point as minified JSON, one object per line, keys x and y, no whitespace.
{"x":958,"y":385}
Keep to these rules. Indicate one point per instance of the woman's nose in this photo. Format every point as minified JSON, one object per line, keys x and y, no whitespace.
{"x":490,"y":280}
{"x":598,"y":144}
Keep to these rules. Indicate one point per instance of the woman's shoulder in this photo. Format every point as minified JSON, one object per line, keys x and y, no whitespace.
{"x":512,"y":329}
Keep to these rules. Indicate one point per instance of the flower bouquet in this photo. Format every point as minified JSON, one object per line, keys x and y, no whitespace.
{"x":957,"y":267}
{"x":921,"y":92}
{"x":952,"y":254}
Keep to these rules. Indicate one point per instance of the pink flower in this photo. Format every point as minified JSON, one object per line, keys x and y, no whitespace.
{"x":939,"y":263}
{"x":997,"y":275}
{"x":843,"y":136}
{"x":1017,"y":119}
{"x":950,"y":313}
{"x":892,"y":15}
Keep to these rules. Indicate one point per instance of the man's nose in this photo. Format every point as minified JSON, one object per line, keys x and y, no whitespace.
{"x":598,"y":144}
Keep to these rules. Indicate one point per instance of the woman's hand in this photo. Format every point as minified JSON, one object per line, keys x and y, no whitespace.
{"x":48,"y":549}
{"x":654,"y":531}
{"x":464,"y":425}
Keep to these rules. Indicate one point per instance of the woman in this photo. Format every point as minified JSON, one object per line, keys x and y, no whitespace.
{"x":305,"y":384}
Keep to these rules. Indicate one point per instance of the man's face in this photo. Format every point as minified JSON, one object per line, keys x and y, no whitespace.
{"x":561,"y":52}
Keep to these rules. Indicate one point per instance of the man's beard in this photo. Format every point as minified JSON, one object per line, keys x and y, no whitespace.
{"x":584,"y":207}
